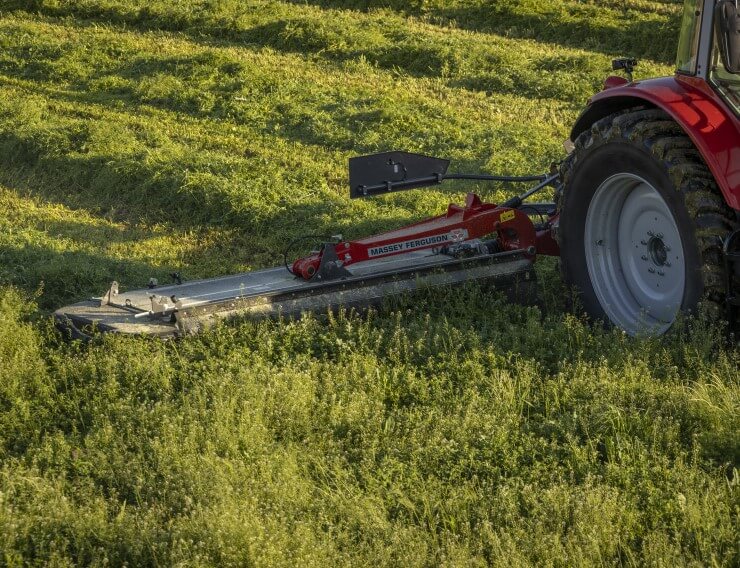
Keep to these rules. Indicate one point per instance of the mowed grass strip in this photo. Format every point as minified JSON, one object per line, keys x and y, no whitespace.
{"x":641,"y":28}
{"x":448,"y":429}
{"x":478,"y":61}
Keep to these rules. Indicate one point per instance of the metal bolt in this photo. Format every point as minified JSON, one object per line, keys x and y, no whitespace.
{"x":600,"y":242}
{"x":651,"y":270}
{"x":661,"y":273}
{"x":644,"y":257}
{"x":659,"y":235}
{"x":651,"y":234}
{"x":643,"y":242}
{"x":667,"y":263}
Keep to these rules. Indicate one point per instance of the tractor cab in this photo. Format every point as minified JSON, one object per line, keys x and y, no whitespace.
{"x":709,"y":46}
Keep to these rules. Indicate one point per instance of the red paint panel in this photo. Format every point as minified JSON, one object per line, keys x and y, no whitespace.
{"x":613,"y":81}
{"x":473,"y":221}
{"x":705,"y":117}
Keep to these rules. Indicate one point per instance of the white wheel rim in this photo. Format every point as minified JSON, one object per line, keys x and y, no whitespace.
{"x":634,"y":255}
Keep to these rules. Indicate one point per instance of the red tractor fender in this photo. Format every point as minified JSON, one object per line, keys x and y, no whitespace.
{"x":695,"y":106}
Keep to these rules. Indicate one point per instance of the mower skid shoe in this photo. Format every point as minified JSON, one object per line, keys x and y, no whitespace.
{"x":275,"y":293}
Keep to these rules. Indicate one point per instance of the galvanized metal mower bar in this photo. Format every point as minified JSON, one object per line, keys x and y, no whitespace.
{"x":275,"y":293}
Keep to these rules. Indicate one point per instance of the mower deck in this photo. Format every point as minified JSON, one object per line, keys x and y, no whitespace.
{"x":183,"y":309}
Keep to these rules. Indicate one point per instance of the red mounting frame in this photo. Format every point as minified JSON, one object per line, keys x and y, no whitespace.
{"x":474,"y":220}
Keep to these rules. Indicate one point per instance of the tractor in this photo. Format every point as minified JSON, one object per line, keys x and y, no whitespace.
{"x":650,"y":205}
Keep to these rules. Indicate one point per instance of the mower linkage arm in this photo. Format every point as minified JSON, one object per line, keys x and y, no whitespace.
{"x":436,"y":179}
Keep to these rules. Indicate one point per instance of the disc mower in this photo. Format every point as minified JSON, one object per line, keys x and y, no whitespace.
{"x":645,"y":218}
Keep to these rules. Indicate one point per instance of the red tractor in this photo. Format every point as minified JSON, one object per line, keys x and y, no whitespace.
{"x":645,"y":219}
{"x":651,"y":201}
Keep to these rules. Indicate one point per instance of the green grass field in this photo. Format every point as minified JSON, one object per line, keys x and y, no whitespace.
{"x":140,"y":137}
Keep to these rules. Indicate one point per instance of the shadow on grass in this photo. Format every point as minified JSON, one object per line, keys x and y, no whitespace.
{"x":635,"y":38}
{"x":148,"y":194}
{"x":141,"y":196}
{"x":394,"y":50}
{"x":69,"y":276}
{"x":339,"y":126}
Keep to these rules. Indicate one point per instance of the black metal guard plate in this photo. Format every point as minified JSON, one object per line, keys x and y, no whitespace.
{"x":393,"y":171}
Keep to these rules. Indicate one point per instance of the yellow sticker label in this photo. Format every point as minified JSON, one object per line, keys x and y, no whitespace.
{"x":507,"y":216}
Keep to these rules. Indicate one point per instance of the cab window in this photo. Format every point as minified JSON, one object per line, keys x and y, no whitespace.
{"x":688,"y":40}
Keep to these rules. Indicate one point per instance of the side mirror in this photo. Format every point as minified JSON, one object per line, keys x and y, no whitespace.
{"x":727,"y":29}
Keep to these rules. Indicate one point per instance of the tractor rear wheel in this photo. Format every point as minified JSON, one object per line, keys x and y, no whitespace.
{"x":641,"y":220}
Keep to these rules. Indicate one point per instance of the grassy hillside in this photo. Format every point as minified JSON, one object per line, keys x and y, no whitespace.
{"x":137,"y":138}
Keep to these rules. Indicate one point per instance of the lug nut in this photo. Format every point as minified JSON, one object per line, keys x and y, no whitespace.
{"x":651,"y":270}
{"x":643,"y":242}
{"x":643,"y":257}
{"x":661,"y":273}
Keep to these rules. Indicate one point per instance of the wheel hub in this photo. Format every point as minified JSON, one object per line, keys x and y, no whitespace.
{"x":658,"y":252}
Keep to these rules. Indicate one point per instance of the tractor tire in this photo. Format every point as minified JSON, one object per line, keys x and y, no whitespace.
{"x":641,"y":223}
